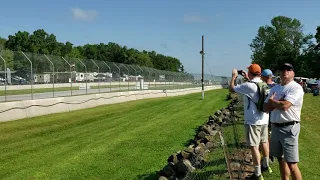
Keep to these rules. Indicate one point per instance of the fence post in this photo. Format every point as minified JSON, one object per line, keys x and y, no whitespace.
{"x":5,"y":78}
{"x":155,"y":78}
{"x":128,"y":74}
{"x":142,"y":76}
{"x":98,"y":74}
{"x":52,"y":73}
{"x":70,"y":72}
{"x":31,"y":74}
{"x":149,"y":76}
{"x":85,"y":75}
{"x":110,"y":72}
{"x":119,"y":76}
{"x":136,"y":75}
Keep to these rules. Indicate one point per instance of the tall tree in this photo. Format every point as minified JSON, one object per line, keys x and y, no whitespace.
{"x":281,"y":42}
{"x":44,"y":43}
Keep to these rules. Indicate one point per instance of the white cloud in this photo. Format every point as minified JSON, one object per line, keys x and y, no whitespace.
{"x":192,"y":18}
{"x":84,"y":15}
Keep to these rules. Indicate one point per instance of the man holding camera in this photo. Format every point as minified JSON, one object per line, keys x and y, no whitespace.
{"x":256,"y":122}
{"x":285,"y":100}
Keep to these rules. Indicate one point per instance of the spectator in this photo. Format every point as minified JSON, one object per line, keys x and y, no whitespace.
{"x":266,"y":76}
{"x":318,"y":82}
{"x":285,"y":100}
{"x":256,"y":122}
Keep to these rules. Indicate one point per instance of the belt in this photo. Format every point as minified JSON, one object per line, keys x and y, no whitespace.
{"x":285,"y":124}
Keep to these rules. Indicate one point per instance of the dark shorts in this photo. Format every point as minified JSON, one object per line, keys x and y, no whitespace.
{"x":284,"y":142}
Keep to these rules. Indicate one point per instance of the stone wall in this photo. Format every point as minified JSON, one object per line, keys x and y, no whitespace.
{"x":181,"y":163}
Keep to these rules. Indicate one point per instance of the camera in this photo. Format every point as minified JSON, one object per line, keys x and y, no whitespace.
{"x":240,"y":72}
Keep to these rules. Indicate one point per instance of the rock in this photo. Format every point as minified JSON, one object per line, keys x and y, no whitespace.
{"x":200,"y":149}
{"x":226,"y":112}
{"x":168,"y":171}
{"x":215,"y":118}
{"x":189,"y":149}
{"x":209,"y":145}
{"x":199,"y":141}
{"x":162,"y":178}
{"x":202,"y":134}
{"x":226,"y":119}
{"x":208,"y":139}
{"x":248,"y":158}
{"x":206,"y":129}
{"x":185,"y":155}
{"x":181,"y":169}
{"x":173,"y":158}
{"x":189,"y":165}
{"x":235,"y":166}
{"x":218,"y":113}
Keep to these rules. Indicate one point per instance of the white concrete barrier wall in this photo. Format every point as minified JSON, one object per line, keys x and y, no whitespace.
{"x":83,"y":84}
{"x":10,"y":111}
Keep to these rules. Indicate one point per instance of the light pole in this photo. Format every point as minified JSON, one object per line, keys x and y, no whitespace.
{"x":202,"y":78}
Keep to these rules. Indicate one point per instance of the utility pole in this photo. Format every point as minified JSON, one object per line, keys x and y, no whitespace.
{"x":202,"y":78}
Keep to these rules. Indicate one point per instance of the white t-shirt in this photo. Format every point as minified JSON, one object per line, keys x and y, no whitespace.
{"x":291,"y":92}
{"x":252,"y":116}
{"x":318,"y":82}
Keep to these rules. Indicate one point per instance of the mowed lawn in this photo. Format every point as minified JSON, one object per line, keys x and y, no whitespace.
{"x":121,"y":141}
{"x":308,"y":141}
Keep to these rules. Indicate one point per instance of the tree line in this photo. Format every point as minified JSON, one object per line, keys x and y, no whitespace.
{"x":44,"y":43}
{"x":285,"y":41}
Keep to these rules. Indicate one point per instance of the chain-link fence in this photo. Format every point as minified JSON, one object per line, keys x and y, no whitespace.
{"x":26,"y":76}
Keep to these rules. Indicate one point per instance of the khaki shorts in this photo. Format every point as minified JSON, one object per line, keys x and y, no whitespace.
{"x":256,"y":134}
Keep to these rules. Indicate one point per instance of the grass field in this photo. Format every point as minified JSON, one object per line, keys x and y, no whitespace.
{"x":121,"y":141}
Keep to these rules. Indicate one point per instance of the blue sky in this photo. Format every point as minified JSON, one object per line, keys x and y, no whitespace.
{"x":169,"y":27}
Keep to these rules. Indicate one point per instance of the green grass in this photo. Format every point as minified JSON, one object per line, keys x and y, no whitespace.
{"x":121,"y":141}
{"x":309,"y":138}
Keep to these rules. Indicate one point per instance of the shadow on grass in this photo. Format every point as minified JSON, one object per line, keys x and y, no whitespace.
{"x":150,"y":176}
{"x":213,"y":169}
{"x":212,"y":174}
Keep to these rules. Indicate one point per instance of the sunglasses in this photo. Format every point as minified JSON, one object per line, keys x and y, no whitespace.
{"x":285,"y":68}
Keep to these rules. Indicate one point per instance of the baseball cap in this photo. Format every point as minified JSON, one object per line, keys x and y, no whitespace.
{"x":255,"y":69}
{"x":267,"y":72}
{"x":286,"y":66}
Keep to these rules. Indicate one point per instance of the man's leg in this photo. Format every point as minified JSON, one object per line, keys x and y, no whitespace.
{"x":265,"y":148}
{"x":276,"y":150}
{"x":253,"y":140}
{"x":291,"y":151}
{"x":284,"y":169}
{"x":295,"y":171}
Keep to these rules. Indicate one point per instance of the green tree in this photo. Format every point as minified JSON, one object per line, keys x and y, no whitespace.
{"x":44,"y":43}
{"x":281,"y":42}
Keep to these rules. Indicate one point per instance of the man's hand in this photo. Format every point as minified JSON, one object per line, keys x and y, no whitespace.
{"x":234,"y":73}
{"x":272,"y":97}
{"x":279,"y":104}
{"x":233,"y":78}
{"x":245,"y":75}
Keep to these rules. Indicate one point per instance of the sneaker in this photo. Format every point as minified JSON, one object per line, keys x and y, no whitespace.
{"x":255,"y":177}
{"x":266,"y":169}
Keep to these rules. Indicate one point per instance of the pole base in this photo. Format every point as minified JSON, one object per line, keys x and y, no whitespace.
{"x":202,"y":94}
